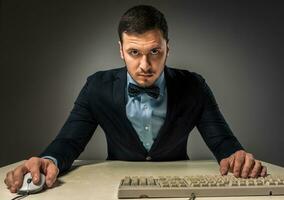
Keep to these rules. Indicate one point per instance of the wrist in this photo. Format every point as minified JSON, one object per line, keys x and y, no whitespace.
{"x":52,"y":159}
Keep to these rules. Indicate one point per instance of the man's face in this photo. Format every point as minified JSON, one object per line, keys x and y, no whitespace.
{"x":144,"y":55}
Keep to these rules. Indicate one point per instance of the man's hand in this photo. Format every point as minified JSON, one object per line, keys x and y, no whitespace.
{"x":242,"y":164}
{"x":35,"y":165}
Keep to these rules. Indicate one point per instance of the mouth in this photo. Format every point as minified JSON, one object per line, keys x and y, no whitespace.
{"x":145,"y":75}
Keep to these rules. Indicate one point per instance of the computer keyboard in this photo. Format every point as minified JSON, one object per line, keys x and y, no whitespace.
{"x":199,"y":186}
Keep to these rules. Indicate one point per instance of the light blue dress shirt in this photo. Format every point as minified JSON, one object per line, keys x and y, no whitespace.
{"x":146,"y":113}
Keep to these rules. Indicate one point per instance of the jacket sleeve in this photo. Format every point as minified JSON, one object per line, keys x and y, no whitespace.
{"x":75,"y":133}
{"x":214,"y":129}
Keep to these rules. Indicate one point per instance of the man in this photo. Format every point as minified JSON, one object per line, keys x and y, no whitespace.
{"x":146,"y":110}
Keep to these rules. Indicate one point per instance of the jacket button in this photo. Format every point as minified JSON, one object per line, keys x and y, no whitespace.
{"x":148,"y":158}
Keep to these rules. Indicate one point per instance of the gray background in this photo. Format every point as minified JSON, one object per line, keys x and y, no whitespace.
{"x":50,"y":47}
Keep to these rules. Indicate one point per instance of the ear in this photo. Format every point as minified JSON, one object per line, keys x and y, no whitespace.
{"x":168,"y":49}
{"x":121,"y":50}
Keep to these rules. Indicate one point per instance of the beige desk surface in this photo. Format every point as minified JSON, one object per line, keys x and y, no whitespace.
{"x":99,"y":180}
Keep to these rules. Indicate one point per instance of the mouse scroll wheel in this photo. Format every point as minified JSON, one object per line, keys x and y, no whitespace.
{"x":29,"y":180}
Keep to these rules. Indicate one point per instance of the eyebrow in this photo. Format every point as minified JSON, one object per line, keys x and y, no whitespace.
{"x":132,"y":48}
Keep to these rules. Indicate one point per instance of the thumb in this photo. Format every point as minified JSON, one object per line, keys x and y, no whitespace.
{"x":224,"y":166}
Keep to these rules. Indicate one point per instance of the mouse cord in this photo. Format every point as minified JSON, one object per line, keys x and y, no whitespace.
{"x":20,"y":196}
{"x":192,"y":197}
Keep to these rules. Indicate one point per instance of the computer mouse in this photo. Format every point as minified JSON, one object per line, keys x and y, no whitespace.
{"x":28,"y":187}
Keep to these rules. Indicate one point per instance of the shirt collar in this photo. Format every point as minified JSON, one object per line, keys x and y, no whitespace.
{"x":160,"y":82}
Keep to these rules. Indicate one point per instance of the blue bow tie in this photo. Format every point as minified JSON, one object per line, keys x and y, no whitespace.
{"x":134,"y":90}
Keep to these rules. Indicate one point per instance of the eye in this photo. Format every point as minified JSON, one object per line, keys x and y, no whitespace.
{"x":134,"y":52}
{"x":154,"y":51}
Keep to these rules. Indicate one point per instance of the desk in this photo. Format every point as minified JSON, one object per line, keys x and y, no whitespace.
{"x":99,"y":180}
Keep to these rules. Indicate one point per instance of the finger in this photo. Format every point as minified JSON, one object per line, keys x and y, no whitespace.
{"x":224,"y":166}
{"x":10,"y":181}
{"x":6,"y":179}
{"x":256,"y":169}
{"x":239,"y":162}
{"x":13,"y":190}
{"x":51,"y":174}
{"x":263,"y":171}
{"x":33,"y":165}
{"x":19,"y":175}
{"x":232,"y":161}
{"x":248,"y":165}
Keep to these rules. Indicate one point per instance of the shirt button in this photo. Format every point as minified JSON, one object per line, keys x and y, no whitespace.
{"x":146,"y":128}
{"x":148,"y":158}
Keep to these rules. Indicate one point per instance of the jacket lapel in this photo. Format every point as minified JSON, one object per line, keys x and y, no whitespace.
{"x":120,"y":101}
{"x":119,"y":86}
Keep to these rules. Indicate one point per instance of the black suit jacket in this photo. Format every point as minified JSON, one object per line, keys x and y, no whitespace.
{"x":102,"y":102}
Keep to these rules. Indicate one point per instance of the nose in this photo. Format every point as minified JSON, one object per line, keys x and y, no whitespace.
{"x":144,"y":64}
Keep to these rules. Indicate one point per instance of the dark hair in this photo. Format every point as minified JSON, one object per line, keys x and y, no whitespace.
{"x":142,"y":18}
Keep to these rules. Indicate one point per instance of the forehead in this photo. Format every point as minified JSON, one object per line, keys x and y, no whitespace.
{"x":149,"y":39}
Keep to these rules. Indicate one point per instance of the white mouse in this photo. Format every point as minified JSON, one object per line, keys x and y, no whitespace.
{"x":28,"y":187}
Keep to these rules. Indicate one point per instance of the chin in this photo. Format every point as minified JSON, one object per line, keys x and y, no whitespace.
{"x":145,"y":83}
